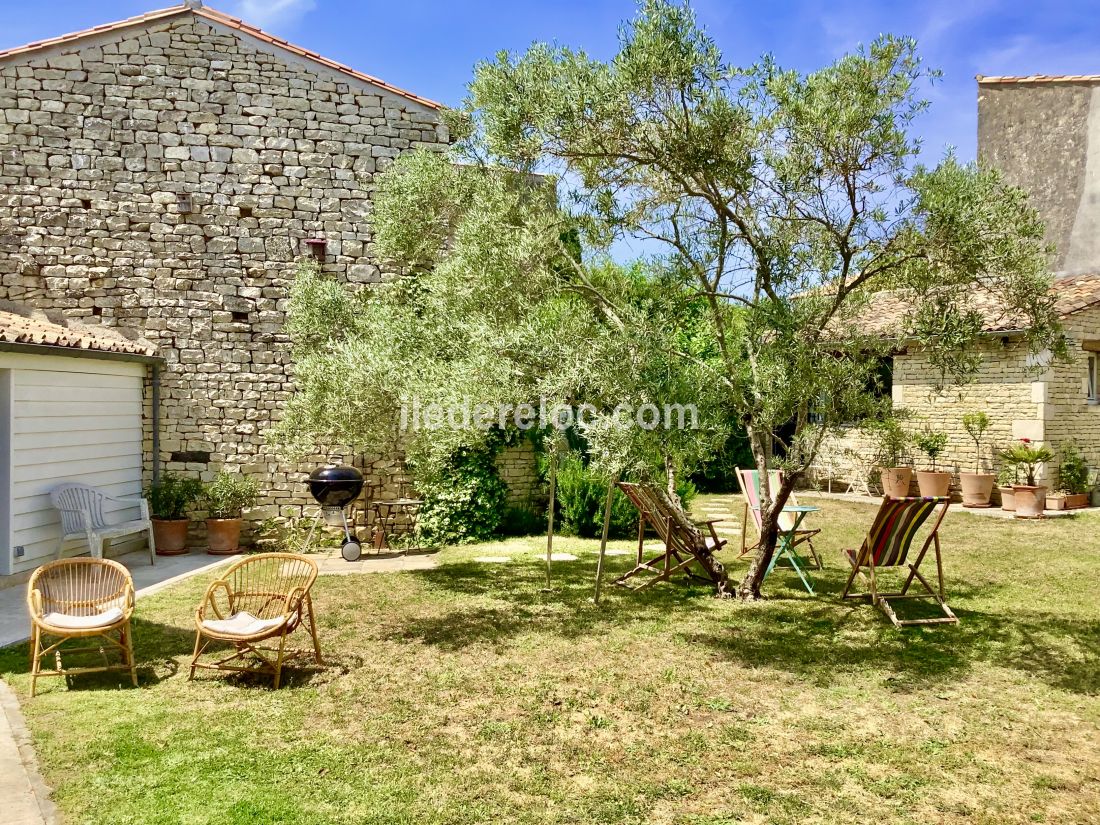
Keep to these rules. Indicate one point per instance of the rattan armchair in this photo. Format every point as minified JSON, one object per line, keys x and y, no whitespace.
{"x":262,"y":598}
{"x":81,"y":598}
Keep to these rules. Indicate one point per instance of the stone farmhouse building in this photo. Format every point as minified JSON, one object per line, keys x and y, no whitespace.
{"x":159,"y":179}
{"x":1043,"y":133}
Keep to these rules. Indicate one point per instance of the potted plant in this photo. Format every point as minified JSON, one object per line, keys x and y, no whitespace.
{"x":893,"y":444}
{"x":1006,"y":477}
{"x":1030,"y":497}
{"x":932,"y":483}
{"x":1073,"y":480}
{"x":169,"y":499}
{"x":226,"y":496}
{"x":977,"y":487}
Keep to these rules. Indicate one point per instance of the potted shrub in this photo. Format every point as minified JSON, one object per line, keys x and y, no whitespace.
{"x":169,"y":499}
{"x":932,"y":483}
{"x":226,"y":496}
{"x":1073,"y":480}
{"x":1006,"y":477}
{"x":1030,"y":497}
{"x":977,"y":487}
{"x":893,"y":444}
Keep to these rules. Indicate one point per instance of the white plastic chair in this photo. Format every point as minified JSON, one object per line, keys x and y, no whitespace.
{"x":82,"y":519}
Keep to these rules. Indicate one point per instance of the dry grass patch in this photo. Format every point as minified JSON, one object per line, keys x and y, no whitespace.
{"x":465,"y":694}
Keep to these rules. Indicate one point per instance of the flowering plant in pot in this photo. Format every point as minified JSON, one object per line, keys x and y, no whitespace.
{"x":169,"y":499}
{"x":1026,"y":458}
{"x":226,"y":496}
{"x":977,"y":487}
{"x":893,"y":447}
{"x":931,"y":482}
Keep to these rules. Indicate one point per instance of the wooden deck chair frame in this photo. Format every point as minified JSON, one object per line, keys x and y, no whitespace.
{"x":278,"y":591}
{"x":887,"y":545}
{"x":75,"y":589}
{"x":682,"y":538}
{"x":751,"y":506}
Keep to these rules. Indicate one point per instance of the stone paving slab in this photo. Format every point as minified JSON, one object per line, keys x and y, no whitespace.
{"x":24,"y":797}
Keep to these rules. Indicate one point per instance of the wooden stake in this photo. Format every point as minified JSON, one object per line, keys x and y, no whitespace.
{"x":603,"y":538}
{"x":550,"y":516}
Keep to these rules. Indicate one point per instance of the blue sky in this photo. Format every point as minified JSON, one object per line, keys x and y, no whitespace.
{"x":430,"y":47}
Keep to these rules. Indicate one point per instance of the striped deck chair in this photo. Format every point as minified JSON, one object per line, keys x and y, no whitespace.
{"x":684,"y":542}
{"x":749,"y":481}
{"x":887,"y":545}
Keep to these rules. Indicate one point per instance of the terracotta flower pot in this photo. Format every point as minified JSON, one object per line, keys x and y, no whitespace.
{"x":1008,"y":499}
{"x":895,"y":481}
{"x":977,"y":488}
{"x":1075,"y":501}
{"x":1030,"y":501}
{"x":223,"y":536}
{"x":170,"y":536}
{"x":933,"y":485}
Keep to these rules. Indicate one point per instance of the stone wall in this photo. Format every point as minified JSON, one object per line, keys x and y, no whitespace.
{"x":1069,"y":415}
{"x":518,"y":468}
{"x":1004,"y":388}
{"x":98,"y":143}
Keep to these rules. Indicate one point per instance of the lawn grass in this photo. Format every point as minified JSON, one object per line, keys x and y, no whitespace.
{"x":466,"y":694}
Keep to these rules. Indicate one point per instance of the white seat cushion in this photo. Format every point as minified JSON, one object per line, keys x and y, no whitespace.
{"x":104,"y":619}
{"x":241,"y":624}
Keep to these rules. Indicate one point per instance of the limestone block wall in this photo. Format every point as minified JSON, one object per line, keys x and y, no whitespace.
{"x":1070,"y":417}
{"x":98,"y":146}
{"x":518,"y":468}
{"x":1011,"y":394}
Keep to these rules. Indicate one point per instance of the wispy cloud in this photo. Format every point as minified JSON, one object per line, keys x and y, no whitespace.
{"x":272,"y":14}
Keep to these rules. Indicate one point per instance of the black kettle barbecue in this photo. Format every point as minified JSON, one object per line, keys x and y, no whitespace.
{"x":334,"y":488}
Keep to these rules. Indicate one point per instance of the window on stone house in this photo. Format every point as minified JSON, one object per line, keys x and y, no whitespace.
{"x":1094,"y":378}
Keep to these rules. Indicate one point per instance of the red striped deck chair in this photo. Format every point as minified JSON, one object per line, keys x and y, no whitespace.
{"x":684,"y":542}
{"x":887,"y":545}
{"x":749,"y":481}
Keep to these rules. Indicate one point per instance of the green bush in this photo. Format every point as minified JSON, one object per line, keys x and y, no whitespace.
{"x":523,"y":521}
{"x":463,"y":502}
{"x":172,"y":495}
{"x":1073,"y":473}
{"x":230,"y":493}
{"x":581,"y":494}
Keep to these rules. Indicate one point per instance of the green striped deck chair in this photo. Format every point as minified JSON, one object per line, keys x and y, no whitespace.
{"x":749,"y":481}
{"x":887,"y":546}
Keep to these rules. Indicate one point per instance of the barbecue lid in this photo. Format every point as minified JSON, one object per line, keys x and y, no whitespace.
{"x":334,"y":475}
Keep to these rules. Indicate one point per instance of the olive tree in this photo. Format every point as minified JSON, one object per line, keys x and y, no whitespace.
{"x":782,"y":200}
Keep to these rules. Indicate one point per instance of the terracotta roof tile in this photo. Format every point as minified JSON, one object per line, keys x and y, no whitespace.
{"x":223,"y":19}
{"x":20,"y":324}
{"x":1039,"y":78}
{"x":1072,"y":293}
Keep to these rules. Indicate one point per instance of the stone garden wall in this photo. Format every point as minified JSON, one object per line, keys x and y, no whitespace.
{"x":97,"y":146}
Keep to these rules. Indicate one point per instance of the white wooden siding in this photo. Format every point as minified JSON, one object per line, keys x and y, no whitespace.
{"x":71,"y":419}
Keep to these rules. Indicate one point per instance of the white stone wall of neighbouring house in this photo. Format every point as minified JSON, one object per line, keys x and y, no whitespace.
{"x":1070,"y":418}
{"x":1004,"y":387}
{"x":100,"y":138}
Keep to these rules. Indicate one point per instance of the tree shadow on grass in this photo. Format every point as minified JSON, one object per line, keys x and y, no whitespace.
{"x":819,"y":638}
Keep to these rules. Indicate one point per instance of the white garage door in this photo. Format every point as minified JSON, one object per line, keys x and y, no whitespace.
{"x":68,"y":419}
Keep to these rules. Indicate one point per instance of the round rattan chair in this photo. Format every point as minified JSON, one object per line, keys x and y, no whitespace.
{"x":81,"y":598}
{"x":262,"y":598}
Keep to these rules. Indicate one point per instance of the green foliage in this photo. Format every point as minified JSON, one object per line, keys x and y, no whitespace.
{"x":976,"y":424}
{"x":523,"y":521}
{"x":719,"y":474}
{"x":171,"y":497}
{"x":582,"y":495}
{"x":1026,"y":457}
{"x":892,"y":441}
{"x":932,"y":443}
{"x":463,"y":499}
{"x":230,"y":493}
{"x":1073,"y":472}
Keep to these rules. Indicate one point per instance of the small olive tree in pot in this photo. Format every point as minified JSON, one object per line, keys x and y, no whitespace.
{"x":932,"y":482}
{"x":169,"y":499}
{"x":977,"y":487}
{"x":226,"y":496}
{"x":892,"y":443}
